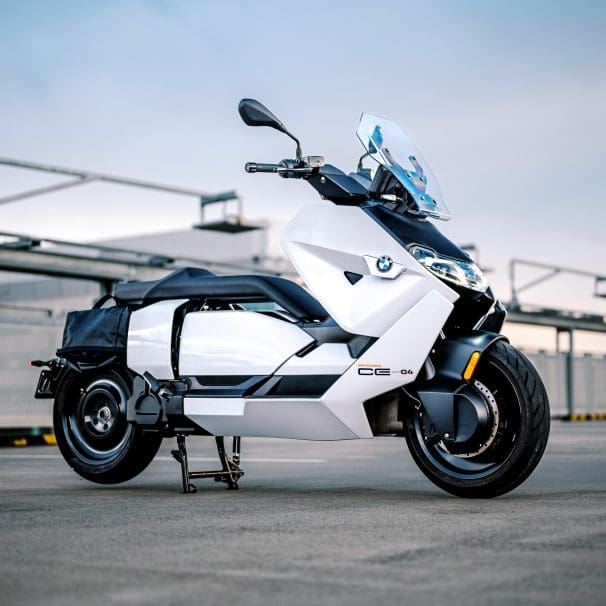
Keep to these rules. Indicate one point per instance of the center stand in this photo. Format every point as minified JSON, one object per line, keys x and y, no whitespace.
{"x":230,"y":472}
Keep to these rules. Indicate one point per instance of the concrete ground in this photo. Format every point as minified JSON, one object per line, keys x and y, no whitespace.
{"x":314,"y":523}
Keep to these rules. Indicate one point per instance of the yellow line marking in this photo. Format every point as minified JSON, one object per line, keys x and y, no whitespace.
{"x":585,"y":417}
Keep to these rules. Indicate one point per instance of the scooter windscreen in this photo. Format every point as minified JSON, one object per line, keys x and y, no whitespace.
{"x":389,"y":145}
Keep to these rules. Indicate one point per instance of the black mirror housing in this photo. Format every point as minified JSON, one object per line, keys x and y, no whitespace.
{"x":255,"y":113}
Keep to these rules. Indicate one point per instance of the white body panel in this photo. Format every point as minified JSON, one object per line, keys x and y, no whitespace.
{"x":237,"y":343}
{"x":324,"y":241}
{"x":150,"y":333}
{"x":404,"y":347}
{"x":339,"y":414}
{"x":267,"y":418}
{"x":327,"y":359}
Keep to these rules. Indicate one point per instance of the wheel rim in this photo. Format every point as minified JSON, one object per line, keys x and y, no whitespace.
{"x":96,"y":426}
{"x":496,"y":388}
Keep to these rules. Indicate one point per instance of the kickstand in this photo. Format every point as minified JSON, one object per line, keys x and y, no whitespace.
{"x":180,"y":456}
{"x":230,"y":466}
{"x":229,"y":473}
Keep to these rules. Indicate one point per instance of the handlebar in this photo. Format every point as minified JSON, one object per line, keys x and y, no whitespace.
{"x":330,"y":182}
{"x":287,"y":169}
{"x":259,"y":167}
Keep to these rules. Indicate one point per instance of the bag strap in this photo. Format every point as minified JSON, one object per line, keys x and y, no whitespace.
{"x":101,"y":301}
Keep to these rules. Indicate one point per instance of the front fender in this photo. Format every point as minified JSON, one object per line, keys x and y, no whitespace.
{"x":451,"y":356}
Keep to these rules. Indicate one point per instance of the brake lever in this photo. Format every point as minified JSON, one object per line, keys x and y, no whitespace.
{"x":293,"y":169}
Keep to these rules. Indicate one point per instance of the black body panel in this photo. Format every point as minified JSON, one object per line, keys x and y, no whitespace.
{"x":468,"y":310}
{"x":334,"y":185}
{"x":224,"y":386}
{"x":408,"y":230}
{"x":493,"y":322}
{"x":330,"y":332}
{"x":353,"y":277}
{"x":296,"y":386}
{"x":327,"y":332}
{"x":254,"y":386}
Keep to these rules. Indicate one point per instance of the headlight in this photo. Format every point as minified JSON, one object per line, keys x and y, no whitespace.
{"x":468,"y":275}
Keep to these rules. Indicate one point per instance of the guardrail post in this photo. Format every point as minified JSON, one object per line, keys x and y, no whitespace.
{"x":570,"y":373}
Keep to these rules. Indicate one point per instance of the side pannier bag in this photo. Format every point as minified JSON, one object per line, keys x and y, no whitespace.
{"x":94,"y":335}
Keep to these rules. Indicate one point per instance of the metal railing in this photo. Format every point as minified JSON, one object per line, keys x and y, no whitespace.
{"x":550,"y":272}
{"x":104,"y":264}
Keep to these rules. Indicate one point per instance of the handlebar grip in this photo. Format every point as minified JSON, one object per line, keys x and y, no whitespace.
{"x":259,"y":167}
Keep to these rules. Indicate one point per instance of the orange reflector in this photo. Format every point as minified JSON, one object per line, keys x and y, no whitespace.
{"x":471,"y":365}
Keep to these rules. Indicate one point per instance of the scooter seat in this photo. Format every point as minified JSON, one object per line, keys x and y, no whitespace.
{"x":192,"y":282}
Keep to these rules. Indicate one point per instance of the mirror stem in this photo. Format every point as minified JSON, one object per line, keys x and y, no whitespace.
{"x":361,"y":160}
{"x":299,"y":152}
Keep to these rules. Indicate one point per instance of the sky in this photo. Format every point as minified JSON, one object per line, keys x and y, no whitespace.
{"x":505,"y":99}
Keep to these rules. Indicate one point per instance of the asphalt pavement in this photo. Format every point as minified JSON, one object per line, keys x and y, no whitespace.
{"x":313,"y":523}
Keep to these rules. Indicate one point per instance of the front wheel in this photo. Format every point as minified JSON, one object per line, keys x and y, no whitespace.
{"x":512,"y":445}
{"x":89,"y":419}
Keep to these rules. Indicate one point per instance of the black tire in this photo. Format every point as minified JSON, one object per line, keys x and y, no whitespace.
{"x":89,"y":419}
{"x":521,"y":430}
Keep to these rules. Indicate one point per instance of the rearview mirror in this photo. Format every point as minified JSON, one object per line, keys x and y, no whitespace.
{"x":255,"y":113}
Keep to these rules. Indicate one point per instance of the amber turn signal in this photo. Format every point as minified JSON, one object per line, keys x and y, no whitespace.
{"x":471,"y":365}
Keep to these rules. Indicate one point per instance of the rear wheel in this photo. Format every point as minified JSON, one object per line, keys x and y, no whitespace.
{"x":512,"y":442}
{"x":89,"y":419}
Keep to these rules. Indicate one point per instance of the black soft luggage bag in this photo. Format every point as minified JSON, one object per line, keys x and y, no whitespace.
{"x":94,"y":335}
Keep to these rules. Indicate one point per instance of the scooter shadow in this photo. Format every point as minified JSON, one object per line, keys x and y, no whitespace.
{"x":354,"y":494}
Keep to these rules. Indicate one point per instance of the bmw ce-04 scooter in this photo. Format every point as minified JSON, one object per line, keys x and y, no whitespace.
{"x":399,"y":336}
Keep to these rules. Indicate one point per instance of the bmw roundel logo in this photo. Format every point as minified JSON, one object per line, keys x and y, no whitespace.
{"x":384,"y":263}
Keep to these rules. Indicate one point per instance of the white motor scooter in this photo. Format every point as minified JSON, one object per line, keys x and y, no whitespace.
{"x":399,"y":336}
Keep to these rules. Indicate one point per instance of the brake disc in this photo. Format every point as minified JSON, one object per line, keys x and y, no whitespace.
{"x":490,"y":401}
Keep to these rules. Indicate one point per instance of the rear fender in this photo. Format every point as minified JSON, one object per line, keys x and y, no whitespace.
{"x":50,"y":376}
{"x":53,"y":372}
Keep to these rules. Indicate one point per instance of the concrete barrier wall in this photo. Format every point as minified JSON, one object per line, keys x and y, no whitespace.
{"x":589,"y":380}
{"x":38,"y":339}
